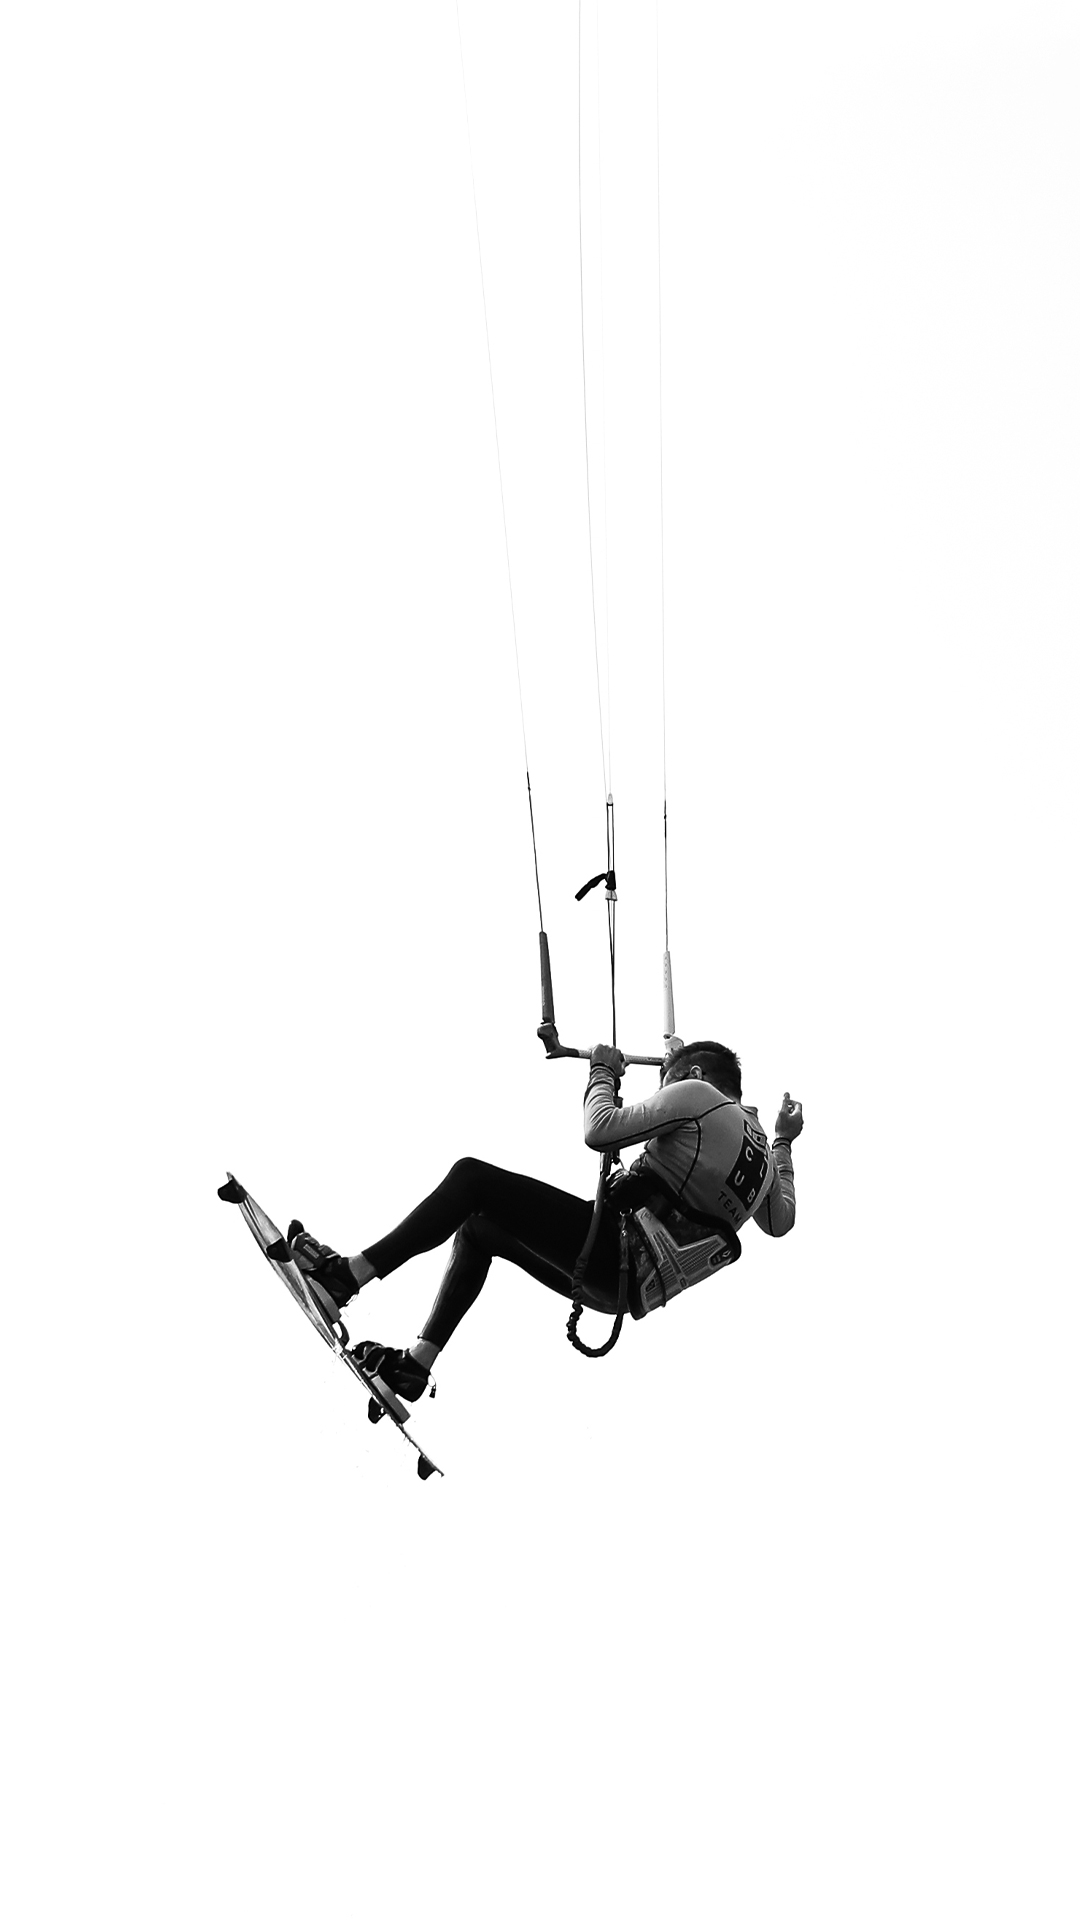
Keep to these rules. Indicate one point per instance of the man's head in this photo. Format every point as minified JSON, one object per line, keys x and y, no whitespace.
{"x":706,"y":1060}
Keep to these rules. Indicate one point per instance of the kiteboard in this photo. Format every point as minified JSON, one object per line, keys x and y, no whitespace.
{"x":317,"y":1307}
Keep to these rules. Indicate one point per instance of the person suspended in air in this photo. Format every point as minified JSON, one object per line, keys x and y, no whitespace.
{"x":661,"y":1225}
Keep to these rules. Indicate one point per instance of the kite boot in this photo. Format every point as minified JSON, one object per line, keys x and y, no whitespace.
{"x":327,"y":1273}
{"x":399,"y":1371}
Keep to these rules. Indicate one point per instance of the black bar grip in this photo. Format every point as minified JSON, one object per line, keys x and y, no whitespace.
{"x":547,"y":992}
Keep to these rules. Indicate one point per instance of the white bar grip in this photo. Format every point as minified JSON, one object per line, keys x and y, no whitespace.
{"x":669,"y":1003}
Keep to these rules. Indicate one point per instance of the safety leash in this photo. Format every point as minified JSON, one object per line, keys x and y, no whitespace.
{"x":581,"y":1267}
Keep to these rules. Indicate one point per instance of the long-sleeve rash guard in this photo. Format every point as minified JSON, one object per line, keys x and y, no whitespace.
{"x":706,"y":1149}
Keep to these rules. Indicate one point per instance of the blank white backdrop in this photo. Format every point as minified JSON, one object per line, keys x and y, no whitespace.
{"x":772,"y":1613}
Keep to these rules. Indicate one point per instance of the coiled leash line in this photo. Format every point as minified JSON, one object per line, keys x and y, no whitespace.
{"x":581,"y":1267}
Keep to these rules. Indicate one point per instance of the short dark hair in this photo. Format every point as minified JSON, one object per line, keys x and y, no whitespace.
{"x":718,"y":1064}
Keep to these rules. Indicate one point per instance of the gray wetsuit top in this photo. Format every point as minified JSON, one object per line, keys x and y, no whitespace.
{"x":706,"y":1149}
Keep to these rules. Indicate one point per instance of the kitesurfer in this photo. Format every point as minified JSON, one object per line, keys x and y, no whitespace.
{"x":707,"y":1168}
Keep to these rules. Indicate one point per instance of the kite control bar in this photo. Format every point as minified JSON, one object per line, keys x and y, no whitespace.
{"x":549,"y":1033}
{"x":555,"y":1050}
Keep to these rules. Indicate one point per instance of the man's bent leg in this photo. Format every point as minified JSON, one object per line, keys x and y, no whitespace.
{"x":480,"y":1241}
{"x":547,"y":1221}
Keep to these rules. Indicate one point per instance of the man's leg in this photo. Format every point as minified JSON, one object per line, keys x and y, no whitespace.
{"x":494,"y":1213}
{"x":544,"y":1218}
{"x":480,"y":1241}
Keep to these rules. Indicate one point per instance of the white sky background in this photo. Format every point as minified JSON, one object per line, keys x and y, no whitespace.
{"x":772,"y":1613}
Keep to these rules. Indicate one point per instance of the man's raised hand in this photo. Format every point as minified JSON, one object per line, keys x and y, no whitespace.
{"x":789,"y":1119}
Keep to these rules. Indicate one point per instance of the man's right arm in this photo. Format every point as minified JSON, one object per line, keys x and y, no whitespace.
{"x":776,"y":1214}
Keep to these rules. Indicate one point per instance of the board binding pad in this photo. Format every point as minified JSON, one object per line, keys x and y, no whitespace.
{"x":317,"y":1307}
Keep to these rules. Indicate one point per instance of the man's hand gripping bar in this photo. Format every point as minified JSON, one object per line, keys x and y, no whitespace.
{"x":555,"y":1050}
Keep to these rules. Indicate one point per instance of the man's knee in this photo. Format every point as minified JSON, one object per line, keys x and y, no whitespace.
{"x":470,"y":1180}
{"x":476,"y":1234}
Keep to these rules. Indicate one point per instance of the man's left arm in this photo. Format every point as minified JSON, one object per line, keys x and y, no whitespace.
{"x":609,"y":1126}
